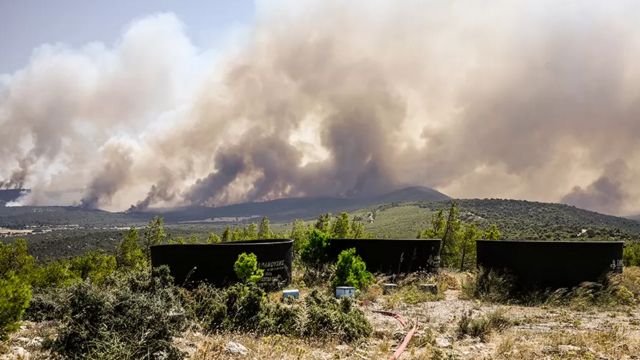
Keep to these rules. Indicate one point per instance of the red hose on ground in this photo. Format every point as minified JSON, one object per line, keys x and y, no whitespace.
{"x":407,"y":338}
{"x":398,"y":317}
{"x":405,"y":342}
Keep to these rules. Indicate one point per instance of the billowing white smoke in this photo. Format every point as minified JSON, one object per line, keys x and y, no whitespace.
{"x":536,"y":100}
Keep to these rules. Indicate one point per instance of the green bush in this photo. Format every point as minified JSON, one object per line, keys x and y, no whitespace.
{"x":236,"y":308}
{"x":277,"y":318}
{"x":245,"y":307}
{"x":133,"y":317}
{"x":326,"y":318}
{"x":15,"y":258}
{"x":54,"y":274}
{"x":206,"y":305}
{"x":631,"y":253}
{"x":314,"y":251}
{"x":94,"y":265}
{"x":14,"y":300}
{"x":246,"y":268}
{"x":244,"y":304}
{"x":129,"y":253}
{"x":319,"y":275}
{"x":48,"y":304}
{"x":300,"y":236}
{"x":351,"y":270}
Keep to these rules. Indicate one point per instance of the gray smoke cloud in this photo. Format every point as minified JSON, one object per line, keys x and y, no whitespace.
{"x":526,"y":99}
{"x":606,"y":194}
{"x":114,"y":173}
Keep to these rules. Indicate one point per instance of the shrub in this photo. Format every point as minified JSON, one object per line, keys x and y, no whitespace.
{"x":14,"y":299}
{"x":246,"y":268}
{"x":129,"y":253}
{"x":351,"y":270}
{"x":213,"y":239}
{"x":482,"y":326}
{"x":300,"y":236}
{"x":282,"y":319}
{"x":326,"y":317}
{"x":314,"y":251}
{"x":136,"y":316}
{"x":48,"y":304}
{"x":244,"y":307}
{"x":94,"y":265}
{"x":490,"y":286}
{"x":319,"y":275}
{"x":15,"y":258}
{"x":631,"y":253}
{"x":206,"y":305}
{"x":54,"y":274}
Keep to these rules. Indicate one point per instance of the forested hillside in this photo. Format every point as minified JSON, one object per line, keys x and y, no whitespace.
{"x":516,"y":219}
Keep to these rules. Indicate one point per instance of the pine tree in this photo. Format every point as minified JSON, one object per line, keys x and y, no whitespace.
{"x":250,"y":232}
{"x":492,"y":233}
{"x":357,"y":229}
{"x":467,"y":241}
{"x":450,"y":237}
{"x":154,"y":234}
{"x":213,"y":239}
{"x":129,"y":254}
{"x":341,"y":227}
{"x":264,"y":231}
{"x":299,"y":234}
{"x":437,"y":229}
{"x":226,"y":235}
{"x":323,"y":223}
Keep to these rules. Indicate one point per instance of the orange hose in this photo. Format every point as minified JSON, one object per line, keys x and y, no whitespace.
{"x":403,"y":346}
{"x":407,"y":338}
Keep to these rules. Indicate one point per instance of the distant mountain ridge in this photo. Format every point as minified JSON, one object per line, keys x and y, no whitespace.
{"x":297,"y":208}
{"x":280,"y":210}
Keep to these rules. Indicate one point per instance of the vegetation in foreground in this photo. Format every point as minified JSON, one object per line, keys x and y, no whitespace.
{"x":115,"y":307}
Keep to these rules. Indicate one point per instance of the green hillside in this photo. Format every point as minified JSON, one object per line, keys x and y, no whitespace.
{"x":516,"y":220}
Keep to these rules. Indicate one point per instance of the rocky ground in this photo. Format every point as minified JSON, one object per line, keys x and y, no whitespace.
{"x":536,"y":332}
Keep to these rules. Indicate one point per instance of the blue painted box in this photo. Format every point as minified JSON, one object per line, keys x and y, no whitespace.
{"x":345,"y":291}
{"x":292,"y":293}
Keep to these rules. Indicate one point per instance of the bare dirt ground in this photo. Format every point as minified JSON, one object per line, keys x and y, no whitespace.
{"x":540,"y":332}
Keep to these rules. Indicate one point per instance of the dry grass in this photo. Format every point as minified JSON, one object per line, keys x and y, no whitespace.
{"x":410,"y":293}
{"x":285,"y":348}
{"x":614,"y":343}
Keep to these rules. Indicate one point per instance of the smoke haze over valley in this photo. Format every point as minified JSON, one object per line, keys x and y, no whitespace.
{"x":536,"y":100}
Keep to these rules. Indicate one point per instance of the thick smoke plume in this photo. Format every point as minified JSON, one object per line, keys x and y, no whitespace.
{"x":535,"y":99}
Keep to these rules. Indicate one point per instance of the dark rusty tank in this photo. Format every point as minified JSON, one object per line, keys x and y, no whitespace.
{"x":550,"y":264}
{"x":191,"y":264}
{"x":391,"y":256}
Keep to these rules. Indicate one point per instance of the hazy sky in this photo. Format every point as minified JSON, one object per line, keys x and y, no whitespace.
{"x":161,"y":103}
{"x":26,"y":24}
